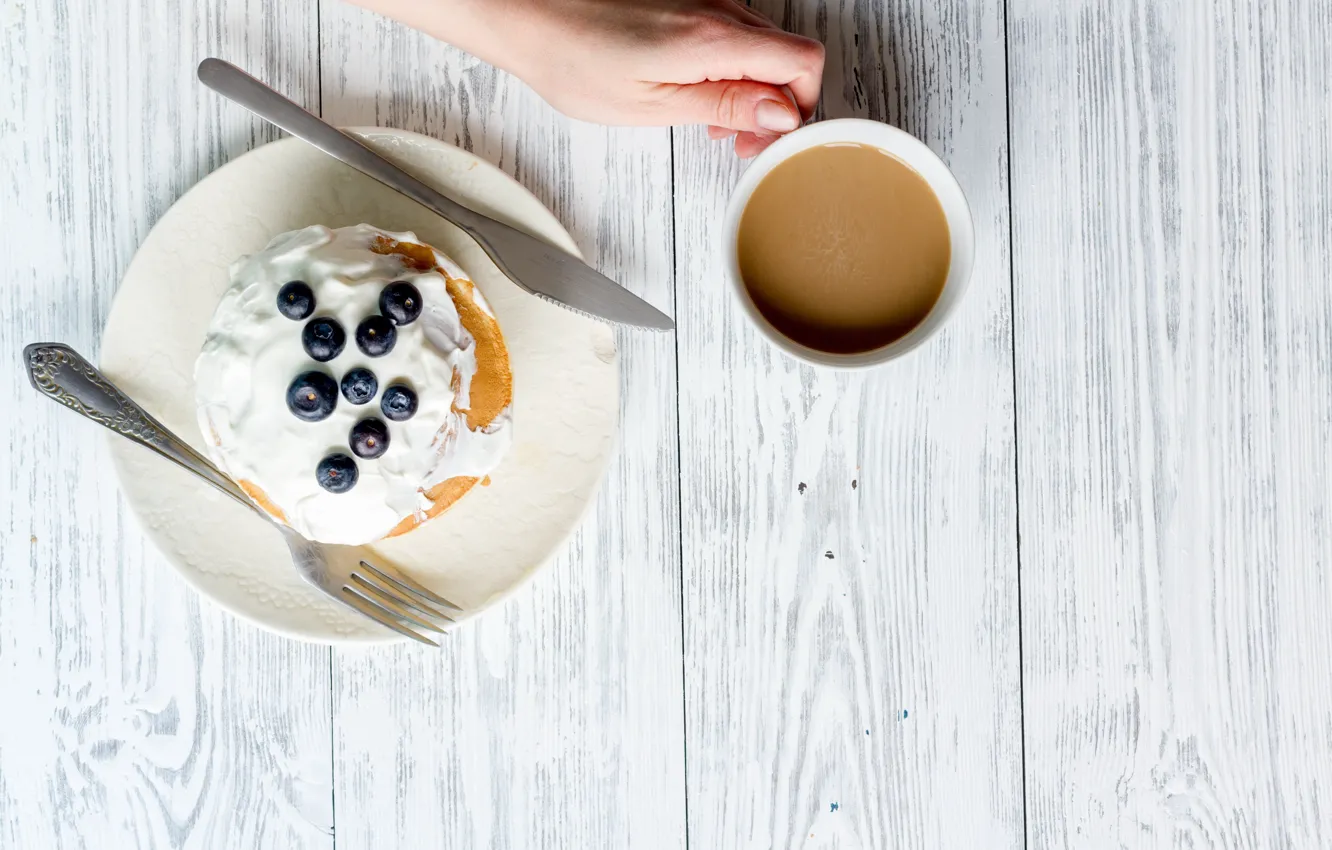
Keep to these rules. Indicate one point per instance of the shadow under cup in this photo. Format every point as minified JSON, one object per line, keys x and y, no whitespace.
{"x":848,"y":243}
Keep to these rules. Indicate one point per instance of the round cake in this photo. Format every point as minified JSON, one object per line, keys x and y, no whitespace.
{"x":354,"y":383}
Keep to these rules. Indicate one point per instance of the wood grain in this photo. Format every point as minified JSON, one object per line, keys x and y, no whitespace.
{"x":134,"y":715}
{"x":1172,"y":169}
{"x":850,"y":568}
{"x":848,"y":543}
{"x":555,"y":721}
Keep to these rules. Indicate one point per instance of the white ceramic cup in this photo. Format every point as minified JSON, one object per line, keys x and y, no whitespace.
{"x":914,"y":153}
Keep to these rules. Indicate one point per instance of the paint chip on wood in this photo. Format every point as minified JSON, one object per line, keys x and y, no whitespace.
{"x":32,"y":539}
{"x":854,"y":482}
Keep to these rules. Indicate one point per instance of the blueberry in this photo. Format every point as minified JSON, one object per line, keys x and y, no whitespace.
{"x":369,"y":438}
{"x":359,"y":385}
{"x":312,"y":396}
{"x":295,"y":300}
{"x":337,"y":473}
{"x":398,"y":403}
{"x":323,"y":338}
{"x":401,"y":302}
{"x":375,"y":336}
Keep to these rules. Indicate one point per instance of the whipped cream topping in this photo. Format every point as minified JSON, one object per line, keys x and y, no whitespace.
{"x":253,"y":352}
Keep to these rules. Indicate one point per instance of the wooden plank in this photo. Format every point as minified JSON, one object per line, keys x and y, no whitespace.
{"x":134,"y":715}
{"x":849,"y":539}
{"x":554,"y":721}
{"x":1171,"y":188}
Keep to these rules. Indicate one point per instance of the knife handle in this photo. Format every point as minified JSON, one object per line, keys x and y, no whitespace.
{"x":234,"y":84}
{"x":533,"y":264}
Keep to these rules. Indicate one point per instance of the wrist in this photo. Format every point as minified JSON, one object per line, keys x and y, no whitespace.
{"x":477,"y":27}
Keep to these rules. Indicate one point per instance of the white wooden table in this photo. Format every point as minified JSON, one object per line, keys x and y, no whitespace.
{"x":1059,"y":579}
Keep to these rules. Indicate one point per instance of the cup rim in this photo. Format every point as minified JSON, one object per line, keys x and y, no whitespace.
{"x":919,"y":157}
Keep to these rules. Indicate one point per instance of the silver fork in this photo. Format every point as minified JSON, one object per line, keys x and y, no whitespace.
{"x":380,"y":592}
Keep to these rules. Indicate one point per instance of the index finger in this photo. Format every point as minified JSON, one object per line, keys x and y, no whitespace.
{"x":777,"y":57}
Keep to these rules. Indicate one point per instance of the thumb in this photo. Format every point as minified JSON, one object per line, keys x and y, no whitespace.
{"x":743,"y":105}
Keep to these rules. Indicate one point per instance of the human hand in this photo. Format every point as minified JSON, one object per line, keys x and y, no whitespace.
{"x":645,"y":62}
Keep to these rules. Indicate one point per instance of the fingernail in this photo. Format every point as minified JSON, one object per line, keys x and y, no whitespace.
{"x":775,"y":117}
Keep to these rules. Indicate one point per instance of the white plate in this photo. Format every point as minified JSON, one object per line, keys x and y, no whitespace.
{"x":566,"y":385}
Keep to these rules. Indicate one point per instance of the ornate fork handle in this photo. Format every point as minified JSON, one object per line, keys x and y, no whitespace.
{"x":62,"y":374}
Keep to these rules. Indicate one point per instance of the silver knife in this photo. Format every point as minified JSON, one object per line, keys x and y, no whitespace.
{"x":537,"y":267}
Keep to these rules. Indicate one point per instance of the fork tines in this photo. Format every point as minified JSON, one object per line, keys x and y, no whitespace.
{"x":398,"y":602}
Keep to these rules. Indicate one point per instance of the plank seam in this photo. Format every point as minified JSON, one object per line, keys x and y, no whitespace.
{"x":1017,"y":479}
{"x":679,"y":499}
